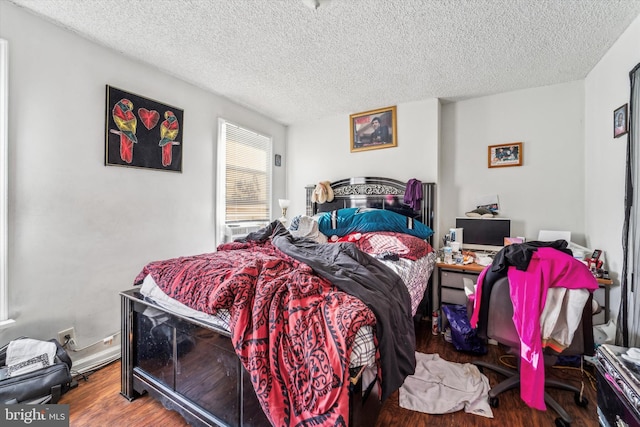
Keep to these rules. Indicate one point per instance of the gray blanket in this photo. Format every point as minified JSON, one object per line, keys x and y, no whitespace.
{"x":366,"y":278}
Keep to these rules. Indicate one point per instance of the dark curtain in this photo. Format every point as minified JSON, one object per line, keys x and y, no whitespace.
{"x":628,"y":324}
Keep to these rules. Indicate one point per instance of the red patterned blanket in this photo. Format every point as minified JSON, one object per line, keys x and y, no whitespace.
{"x":292,"y":329}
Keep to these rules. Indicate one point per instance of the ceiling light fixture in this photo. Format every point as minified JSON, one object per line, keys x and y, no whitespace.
{"x":314,"y":4}
{"x":311,"y":4}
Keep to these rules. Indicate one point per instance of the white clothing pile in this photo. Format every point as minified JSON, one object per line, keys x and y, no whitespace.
{"x":442,"y":387}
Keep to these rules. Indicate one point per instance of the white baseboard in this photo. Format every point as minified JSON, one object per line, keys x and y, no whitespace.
{"x":95,"y":355}
{"x":92,"y":361}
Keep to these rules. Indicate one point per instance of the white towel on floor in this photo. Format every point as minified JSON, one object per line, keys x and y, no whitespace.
{"x":26,"y":355}
{"x":442,"y":387}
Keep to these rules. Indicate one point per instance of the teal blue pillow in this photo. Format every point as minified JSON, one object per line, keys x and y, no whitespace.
{"x":364,"y":220}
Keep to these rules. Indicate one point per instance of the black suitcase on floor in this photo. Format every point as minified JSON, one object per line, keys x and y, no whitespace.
{"x":44,"y":385}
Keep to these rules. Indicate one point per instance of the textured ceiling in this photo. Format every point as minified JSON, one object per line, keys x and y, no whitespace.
{"x":293,"y":63}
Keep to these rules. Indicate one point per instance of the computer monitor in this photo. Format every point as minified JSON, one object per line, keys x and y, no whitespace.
{"x":484,"y":234}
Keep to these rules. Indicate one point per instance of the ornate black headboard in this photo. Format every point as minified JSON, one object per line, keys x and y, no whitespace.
{"x":376,"y":192}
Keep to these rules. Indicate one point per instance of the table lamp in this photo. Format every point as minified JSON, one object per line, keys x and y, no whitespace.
{"x":284,"y":204}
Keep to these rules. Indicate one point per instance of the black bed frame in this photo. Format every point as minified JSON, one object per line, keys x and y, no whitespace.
{"x":190,"y":366}
{"x":376,"y":192}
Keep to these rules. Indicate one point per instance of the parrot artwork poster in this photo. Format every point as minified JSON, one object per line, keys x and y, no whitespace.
{"x":142,"y":132}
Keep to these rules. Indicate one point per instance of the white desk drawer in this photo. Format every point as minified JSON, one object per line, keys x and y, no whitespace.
{"x":453,"y":279}
{"x":453,"y":296}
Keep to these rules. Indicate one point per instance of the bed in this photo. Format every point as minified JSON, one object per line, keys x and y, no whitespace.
{"x":338,"y":352}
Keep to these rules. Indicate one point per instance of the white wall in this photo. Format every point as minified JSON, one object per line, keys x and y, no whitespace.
{"x":80,"y":231}
{"x":548,"y":120}
{"x":606,"y":88}
{"x":320,"y":151}
{"x":547,"y":191}
{"x":573,"y":173}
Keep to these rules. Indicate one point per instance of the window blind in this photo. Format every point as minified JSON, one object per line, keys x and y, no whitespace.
{"x":247,"y":176}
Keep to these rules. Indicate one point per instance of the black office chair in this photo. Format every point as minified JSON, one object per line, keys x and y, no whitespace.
{"x":500,"y":327}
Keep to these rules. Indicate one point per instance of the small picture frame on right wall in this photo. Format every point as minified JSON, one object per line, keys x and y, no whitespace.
{"x":620,"y":119}
{"x":504,"y":155}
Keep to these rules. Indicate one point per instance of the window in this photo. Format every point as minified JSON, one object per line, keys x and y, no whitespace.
{"x":4,"y":130}
{"x":244,"y":176}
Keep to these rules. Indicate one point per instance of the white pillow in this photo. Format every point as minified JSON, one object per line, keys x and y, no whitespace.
{"x":308,"y":227}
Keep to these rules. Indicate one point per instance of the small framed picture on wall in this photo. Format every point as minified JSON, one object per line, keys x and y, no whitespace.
{"x":620,"y":120}
{"x":373,"y":129}
{"x":504,"y":155}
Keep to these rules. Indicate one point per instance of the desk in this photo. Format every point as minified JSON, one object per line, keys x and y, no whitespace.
{"x":605,"y":284}
{"x":453,"y":284}
{"x":473,"y":267}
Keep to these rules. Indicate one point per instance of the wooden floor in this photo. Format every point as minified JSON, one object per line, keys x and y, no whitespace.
{"x":97,"y":402}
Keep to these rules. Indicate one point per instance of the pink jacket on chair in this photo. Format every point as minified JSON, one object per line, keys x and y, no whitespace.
{"x":548,"y":268}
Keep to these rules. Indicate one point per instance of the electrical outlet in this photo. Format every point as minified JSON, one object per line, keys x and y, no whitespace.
{"x":62,"y":334}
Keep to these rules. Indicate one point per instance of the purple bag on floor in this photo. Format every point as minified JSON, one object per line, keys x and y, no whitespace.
{"x":463,"y":336}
